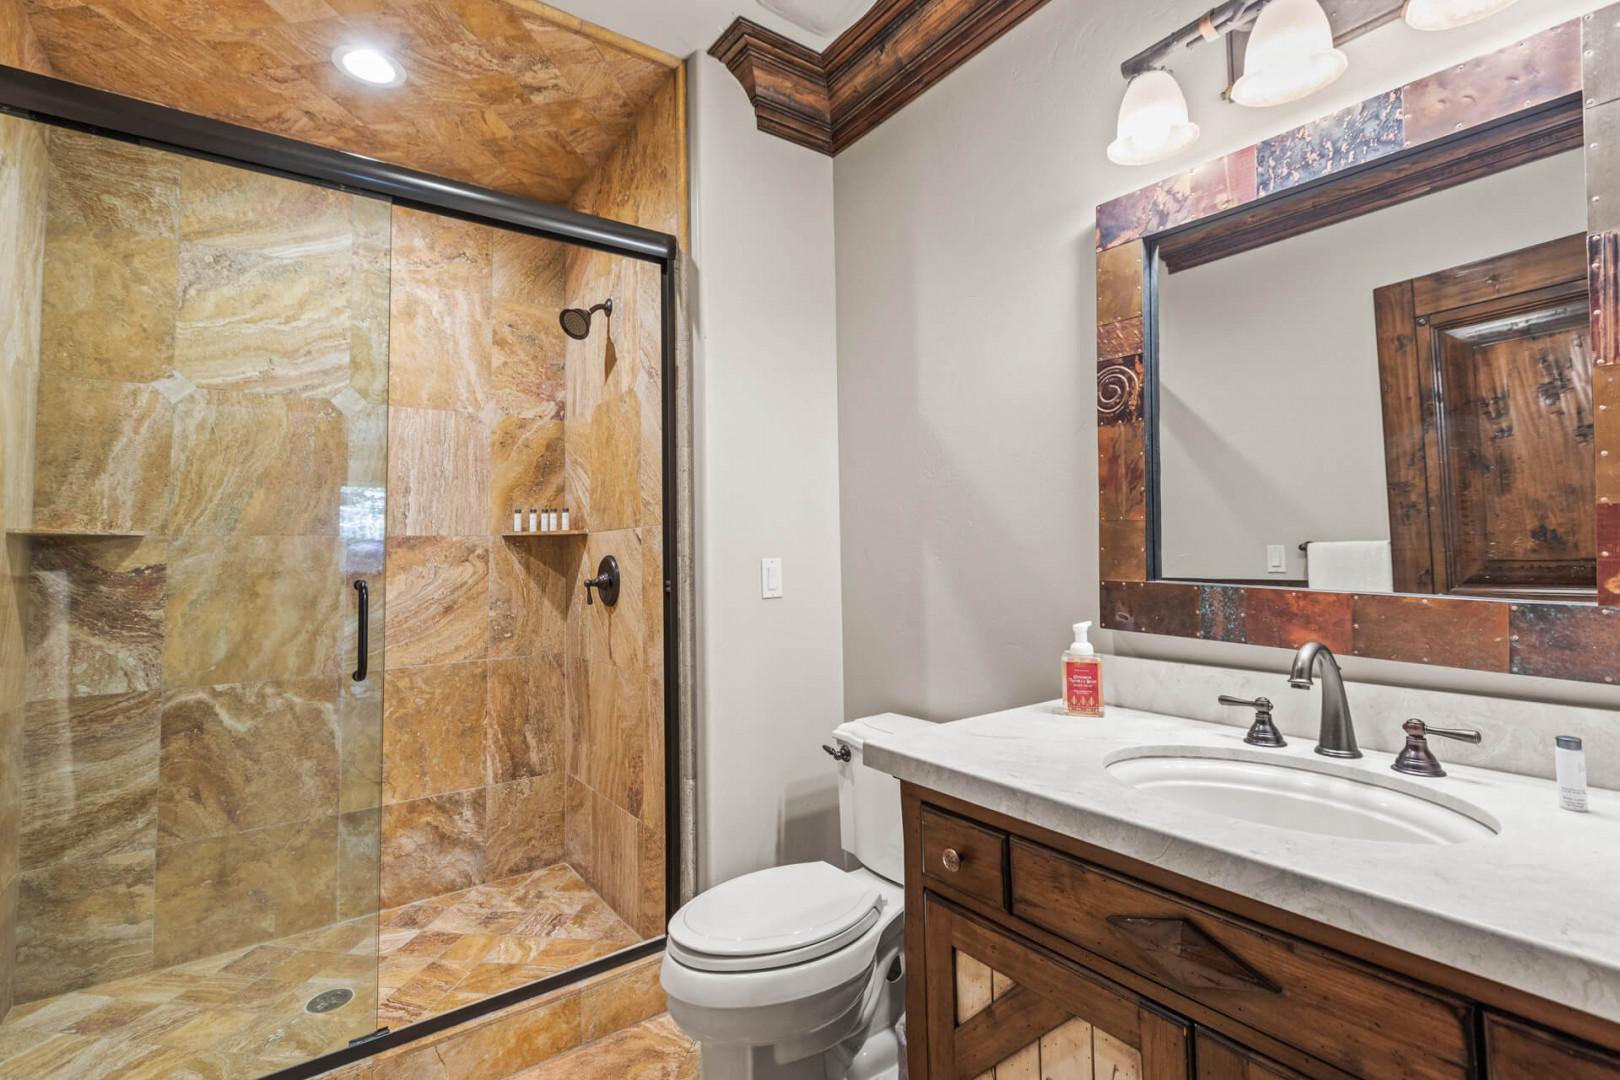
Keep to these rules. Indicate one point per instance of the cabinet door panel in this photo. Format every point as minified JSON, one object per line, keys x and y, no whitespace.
{"x":1517,"y":1051}
{"x":1219,"y":1059}
{"x":1001,"y":1009}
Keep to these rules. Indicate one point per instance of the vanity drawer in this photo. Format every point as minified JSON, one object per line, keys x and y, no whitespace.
{"x":967,"y":857}
{"x":1327,"y":1005}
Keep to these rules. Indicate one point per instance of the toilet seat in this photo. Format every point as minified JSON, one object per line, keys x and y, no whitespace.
{"x":775,"y":918}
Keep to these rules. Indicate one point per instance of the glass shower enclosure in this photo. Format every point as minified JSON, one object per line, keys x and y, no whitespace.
{"x":303,"y":734}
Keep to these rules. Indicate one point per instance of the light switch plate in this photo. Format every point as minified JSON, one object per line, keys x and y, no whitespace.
{"x":1276,"y":559}
{"x":770,"y":579}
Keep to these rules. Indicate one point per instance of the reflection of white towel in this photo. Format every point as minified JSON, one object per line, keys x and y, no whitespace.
{"x":1350,"y":566}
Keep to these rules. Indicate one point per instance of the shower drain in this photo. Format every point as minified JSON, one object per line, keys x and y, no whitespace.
{"x":327,"y":1000}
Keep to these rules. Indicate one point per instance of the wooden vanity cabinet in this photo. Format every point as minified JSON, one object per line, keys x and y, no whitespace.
{"x":1036,"y":957}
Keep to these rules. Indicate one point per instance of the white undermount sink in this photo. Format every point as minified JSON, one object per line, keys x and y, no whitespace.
{"x":1304,"y":795}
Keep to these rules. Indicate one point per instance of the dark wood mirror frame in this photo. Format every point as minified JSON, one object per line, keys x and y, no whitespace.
{"x":1554,"y":91}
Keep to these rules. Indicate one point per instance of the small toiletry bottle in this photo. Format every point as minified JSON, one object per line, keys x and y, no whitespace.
{"x":517,"y":520}
{"x":1571,"y":767}
{"x":1082,"y":676}
{"x":545,"y":519}
{"x":566,"y":526}
{"x":553,"y":519}
{"x":534,"y":519}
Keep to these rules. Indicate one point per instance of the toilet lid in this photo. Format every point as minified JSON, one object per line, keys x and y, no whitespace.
{"x":804,"y":910}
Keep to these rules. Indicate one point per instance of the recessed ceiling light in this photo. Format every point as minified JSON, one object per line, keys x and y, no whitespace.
{"x":368,"y":65}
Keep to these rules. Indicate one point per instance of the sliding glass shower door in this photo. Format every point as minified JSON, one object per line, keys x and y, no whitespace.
{"x":237,"y":409}
{"x":195,"y":426}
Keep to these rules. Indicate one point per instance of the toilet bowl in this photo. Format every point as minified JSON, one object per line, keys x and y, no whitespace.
{"x":798,"y":972}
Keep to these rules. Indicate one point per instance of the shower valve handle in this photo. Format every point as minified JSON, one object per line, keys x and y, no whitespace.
{"x":606,"y":582}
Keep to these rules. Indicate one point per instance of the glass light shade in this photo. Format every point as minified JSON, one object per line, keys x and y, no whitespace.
{"x":1153,"y":121}
{"x":1450,"y":14}
{"x":1290,"y":55}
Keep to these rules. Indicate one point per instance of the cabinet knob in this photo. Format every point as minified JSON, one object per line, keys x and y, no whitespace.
{"x":951,"y":860}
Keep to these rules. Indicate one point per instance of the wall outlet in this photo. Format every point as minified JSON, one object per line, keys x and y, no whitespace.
{"x":1276,"y":559}
{"x":770,"y":579}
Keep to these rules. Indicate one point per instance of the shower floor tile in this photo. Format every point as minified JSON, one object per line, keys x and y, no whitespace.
{"x":241,"y":1013}
{"x":452,"y":950}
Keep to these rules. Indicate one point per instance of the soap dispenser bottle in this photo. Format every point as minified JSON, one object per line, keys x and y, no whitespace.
{"x":1082,"y":676}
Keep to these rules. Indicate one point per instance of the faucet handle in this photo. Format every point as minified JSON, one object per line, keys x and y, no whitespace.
{"x":1262,"y":732}
{"x":1416,"y":759}
{"x":1415,"y":726}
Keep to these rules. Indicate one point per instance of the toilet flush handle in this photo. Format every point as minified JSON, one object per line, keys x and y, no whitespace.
{"x":951,"y":860}
{"x":840,"y":754}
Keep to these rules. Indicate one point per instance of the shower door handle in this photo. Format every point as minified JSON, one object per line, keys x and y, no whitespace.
{"x":361,"y":627}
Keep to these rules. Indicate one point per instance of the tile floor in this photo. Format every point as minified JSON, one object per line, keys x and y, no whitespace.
{"x":651,"y":1050}
{"x":452,"y":950}
{"x":241,"y":1013}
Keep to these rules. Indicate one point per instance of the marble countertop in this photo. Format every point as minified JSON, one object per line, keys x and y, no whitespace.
{"x":1536,"y":906}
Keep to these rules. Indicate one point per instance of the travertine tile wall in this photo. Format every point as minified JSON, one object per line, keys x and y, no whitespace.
{"x":21,"y":261}
{"x":522,"y":725}
{"x":474,"y":689}
{"x":195,"y":768}
{"x":22,"y":247}
{"x":615,"y":743}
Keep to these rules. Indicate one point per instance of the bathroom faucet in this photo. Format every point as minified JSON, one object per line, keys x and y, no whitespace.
{"x":1338,"y":736}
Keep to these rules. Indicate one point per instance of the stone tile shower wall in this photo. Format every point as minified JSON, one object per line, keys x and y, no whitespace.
{"x":474,"y":691}
{"x":209,"y":425}
{"x":522,"y":726}
{"x":615,"y":746}
{"x":22,"y":248}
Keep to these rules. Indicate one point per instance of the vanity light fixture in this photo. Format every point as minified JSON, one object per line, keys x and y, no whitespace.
{"x":1450,"y":14}
{"x":1290,"y":55}
{"x":1153,"y":122}
{"x":372,"y":66}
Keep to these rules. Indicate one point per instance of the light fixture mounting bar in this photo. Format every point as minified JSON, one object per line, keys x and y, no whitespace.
{"x":1213,"y":25}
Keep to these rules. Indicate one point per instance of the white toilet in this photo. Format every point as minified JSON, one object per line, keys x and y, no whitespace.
{"x":797,"y":972}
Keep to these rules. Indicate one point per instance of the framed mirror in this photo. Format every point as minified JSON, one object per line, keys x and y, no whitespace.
{"x":1355,"y":382}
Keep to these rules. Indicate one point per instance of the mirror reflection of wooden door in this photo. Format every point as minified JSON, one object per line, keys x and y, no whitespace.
{"x":1486,"y":373}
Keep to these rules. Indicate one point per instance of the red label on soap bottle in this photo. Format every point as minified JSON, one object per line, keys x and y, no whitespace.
{"x":1082,"y":687}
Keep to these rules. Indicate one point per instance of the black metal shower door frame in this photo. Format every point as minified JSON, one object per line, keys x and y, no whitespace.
{"x":65,"y":104}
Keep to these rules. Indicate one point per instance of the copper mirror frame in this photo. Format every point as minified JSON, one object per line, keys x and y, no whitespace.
{"x":1554,"y":91}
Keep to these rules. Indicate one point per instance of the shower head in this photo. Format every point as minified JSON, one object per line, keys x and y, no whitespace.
{"x":576,"y":322}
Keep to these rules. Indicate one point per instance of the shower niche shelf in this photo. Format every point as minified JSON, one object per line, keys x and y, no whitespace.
{"x":554,"y":535}
{"x":72,"y":534}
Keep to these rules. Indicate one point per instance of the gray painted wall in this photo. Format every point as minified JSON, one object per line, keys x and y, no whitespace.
{"x":1272,"y":430}
{"x":966,"y":348}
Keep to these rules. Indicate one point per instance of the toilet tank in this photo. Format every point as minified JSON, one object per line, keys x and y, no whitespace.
{"x":869,"y":800}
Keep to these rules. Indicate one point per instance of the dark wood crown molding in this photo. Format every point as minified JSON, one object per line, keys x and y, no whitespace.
{"x":897,"y":50}
{"x":786,"y":82}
